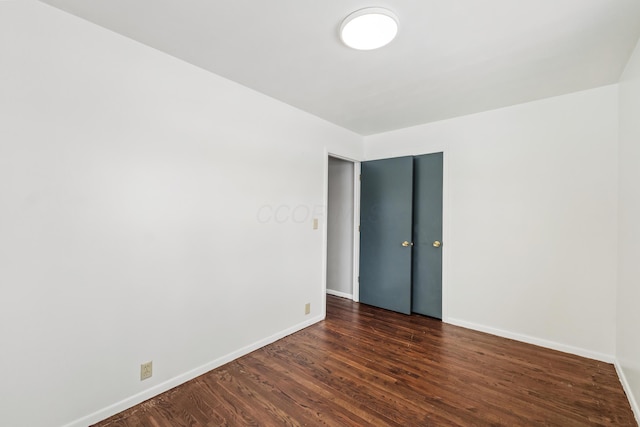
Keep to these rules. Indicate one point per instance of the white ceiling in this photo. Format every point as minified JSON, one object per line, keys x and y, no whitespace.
{"x":451,"y":57}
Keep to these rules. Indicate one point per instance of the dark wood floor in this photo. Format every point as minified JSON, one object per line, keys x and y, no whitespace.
{"x":365,"y":366}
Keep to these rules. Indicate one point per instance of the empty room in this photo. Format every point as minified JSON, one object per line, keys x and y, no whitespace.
{"x":241,"y":212}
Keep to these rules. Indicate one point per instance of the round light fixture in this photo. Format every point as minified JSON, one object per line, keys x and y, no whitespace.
{"x":369,"y":28}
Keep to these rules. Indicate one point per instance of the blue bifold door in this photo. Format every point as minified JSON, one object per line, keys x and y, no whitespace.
{"x":401,"y":234}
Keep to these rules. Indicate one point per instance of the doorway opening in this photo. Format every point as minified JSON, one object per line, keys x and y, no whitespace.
{"x":342,"y":219}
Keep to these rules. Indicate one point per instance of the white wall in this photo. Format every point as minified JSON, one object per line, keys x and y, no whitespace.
{"x":340,"y":228}
{"x":628,"y":329}
{"x":137,"y":195}
{"x":531,"y":212}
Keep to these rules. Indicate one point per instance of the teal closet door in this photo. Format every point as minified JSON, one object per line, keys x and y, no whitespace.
{"x":386,"y":206}
{"x":427,"y":235}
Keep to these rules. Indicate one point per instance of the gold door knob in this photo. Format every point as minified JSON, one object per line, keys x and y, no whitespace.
{"x":405,"y":243}
{"x":436,"y":244}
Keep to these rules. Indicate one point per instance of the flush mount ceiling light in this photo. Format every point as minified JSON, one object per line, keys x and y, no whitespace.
{"x":369,"y":28}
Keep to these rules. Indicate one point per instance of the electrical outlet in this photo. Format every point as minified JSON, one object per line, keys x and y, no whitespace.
{"x":146,"y":370}
{"x":307,"y":308}
{"x":315,"y":223}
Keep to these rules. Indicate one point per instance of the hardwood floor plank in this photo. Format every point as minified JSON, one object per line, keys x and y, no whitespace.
{"x":374,"y":364}
{"x":319,"y":397}
{"x":366,"y":391}
{"x":367,"y":366}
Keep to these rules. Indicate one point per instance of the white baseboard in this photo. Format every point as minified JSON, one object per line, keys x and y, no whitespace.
{"x":339,"y":294}
{"x":183,"y":378}
{"x":533,"y":340}
{"x":627,"y":389}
